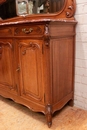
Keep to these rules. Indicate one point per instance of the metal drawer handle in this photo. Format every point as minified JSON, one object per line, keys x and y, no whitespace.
{"x":26,"y":31}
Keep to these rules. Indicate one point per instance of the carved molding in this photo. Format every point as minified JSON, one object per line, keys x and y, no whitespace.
{"x":70,"y":9}
{"x":47,"y":35}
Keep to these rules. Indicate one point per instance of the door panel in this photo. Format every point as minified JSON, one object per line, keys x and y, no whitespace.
{"x":63,"y":53}
{"x":6,"y":64}
{"x":31,"y":74}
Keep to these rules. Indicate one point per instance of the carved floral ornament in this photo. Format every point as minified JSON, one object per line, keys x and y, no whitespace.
{"x":30,"y":46}
{"x":70,"y":9}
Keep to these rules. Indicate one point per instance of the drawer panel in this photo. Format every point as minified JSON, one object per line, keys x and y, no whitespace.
{"x":61,"y":30}
{"x":5,"y":32}
{"x":29,"y":30}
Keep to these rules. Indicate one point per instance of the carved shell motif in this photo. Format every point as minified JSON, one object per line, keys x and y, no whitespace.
{"x":70,"y":10}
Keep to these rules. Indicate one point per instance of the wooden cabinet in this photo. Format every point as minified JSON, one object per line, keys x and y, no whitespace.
{"x":37,"y":60}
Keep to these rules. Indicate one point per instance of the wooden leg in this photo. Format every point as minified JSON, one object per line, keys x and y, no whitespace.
{"x":49,"y":115}
{"x":71,"y":103}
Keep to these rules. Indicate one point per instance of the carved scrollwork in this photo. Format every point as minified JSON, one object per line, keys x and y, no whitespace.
{"x":70,"y":10}
{"x":32,"y":46}
{"x":46,"y":35}
{"x":5,"y":44}
{"x":10,"y":31}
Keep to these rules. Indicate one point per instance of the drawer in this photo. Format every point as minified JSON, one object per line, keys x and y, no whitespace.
{"x":5,"y":32}
{"x":61,"y":30}
{"x":29,"y":30}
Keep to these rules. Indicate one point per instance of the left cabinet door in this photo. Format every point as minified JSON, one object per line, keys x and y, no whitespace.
{"x":6,"y":65}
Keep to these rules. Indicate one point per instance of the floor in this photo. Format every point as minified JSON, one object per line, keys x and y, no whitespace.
{"x":17,"y":117}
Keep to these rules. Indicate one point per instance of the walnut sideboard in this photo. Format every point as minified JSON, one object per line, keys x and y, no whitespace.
{"x":37,"y":54}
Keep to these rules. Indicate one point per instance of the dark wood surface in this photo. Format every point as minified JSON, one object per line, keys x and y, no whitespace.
{"x":37,"y":61}
{"x":2,"y":1}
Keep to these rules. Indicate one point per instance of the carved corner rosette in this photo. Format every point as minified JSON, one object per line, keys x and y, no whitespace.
{"x":49,"y":115}
{"x":70,"y":9}
{"x":47,"y":35}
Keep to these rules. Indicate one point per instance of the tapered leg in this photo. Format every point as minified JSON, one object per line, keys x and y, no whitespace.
{"x":49,"y":115}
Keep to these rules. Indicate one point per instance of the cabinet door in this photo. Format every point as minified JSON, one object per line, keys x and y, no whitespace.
{"x":31,"y":70}
{"x":6,"y":65}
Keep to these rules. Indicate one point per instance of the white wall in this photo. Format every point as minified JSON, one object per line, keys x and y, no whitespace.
{"x":81,"y":55}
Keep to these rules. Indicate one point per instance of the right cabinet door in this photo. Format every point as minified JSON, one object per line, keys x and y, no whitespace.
{"x":31,"y":69}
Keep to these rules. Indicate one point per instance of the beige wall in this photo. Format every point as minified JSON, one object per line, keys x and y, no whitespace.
{"x":81,"y":55}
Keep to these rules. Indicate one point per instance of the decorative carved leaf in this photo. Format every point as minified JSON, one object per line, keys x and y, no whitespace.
{"x":32,"y":46}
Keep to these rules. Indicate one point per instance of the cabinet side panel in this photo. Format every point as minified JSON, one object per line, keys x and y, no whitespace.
{"x":62,"y":68}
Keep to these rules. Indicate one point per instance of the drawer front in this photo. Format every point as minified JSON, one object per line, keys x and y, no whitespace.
{"x":61,"y":30}
{"x":29,"y":30}
{"x":5,"y":32}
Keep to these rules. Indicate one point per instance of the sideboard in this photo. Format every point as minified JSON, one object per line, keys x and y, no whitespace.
{"x":37,"y":54}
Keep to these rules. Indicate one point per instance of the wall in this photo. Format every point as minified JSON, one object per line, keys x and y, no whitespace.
{"x":81,"y":55}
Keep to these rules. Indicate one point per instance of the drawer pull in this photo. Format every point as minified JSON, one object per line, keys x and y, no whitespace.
{"x":26,"y":31}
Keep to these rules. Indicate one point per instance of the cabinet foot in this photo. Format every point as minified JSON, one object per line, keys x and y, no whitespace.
{"x":71,"y":103}
{"x":49,"y":115}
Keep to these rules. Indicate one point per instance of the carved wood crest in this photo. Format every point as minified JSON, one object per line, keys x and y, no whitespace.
{"x":70,"y":9}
